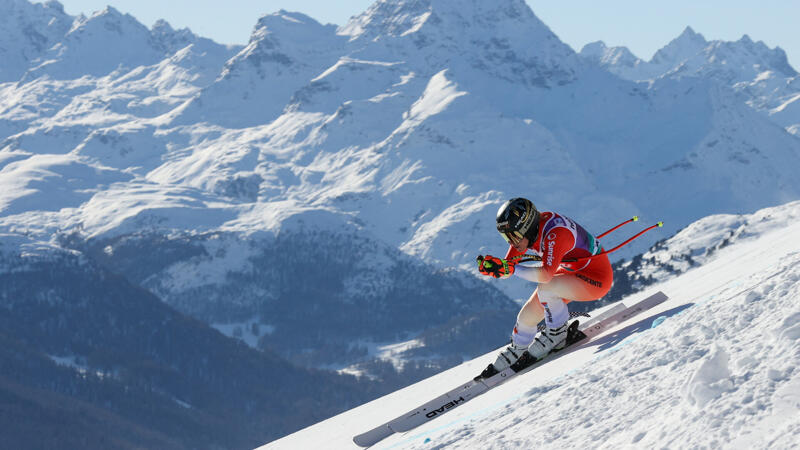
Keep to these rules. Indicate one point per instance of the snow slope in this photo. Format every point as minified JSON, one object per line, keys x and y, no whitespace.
{"x":714,"y":366}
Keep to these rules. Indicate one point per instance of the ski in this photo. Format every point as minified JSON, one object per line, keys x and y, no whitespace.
{"x":577,"y":337}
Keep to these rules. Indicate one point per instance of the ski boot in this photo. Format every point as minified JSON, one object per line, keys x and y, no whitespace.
{"x":508,"y":357}
{"x":548,"y":340}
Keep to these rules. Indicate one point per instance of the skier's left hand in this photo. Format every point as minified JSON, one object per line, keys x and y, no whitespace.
{"x":495,"y":267}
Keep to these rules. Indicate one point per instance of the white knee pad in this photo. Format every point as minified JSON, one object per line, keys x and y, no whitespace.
{"x":556,"y":312}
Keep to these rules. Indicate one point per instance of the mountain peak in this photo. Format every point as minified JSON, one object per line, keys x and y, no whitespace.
{"x":291,"y":28}
{"x":504,"y":37}
{"x":689,"y":40}
{"x":168,"y":39}
{"x":606,"y":56}
{"x":691,"y":35}
{"x":98,"y":45}
{"x":29,"y":30}
{"x":15,"y":11}
{"x":595,"y":47}
{"x":760,"y":54}
{"x":54,"y":5}
{"x":109,"y":19}
{"x":162,"y":26}
{"x":108,"y":11}
{"x":396,"y":18}
{"x":685,"y":46}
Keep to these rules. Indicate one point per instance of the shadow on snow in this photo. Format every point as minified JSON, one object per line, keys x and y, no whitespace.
{"x":611,"y":340}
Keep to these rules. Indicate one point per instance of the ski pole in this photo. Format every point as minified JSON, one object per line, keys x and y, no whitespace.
{"x":528,"y":258}
{"x":658,"y":225}
{"x":631,"y":220}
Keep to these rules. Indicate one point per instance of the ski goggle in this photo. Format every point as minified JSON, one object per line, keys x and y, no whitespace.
{"x":512,"y":237}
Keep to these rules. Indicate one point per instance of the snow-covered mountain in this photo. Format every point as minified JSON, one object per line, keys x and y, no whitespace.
{"x":341,"y":180}
{"x":410,"y":124}
{"x":762,"y":76}
{"x":690,"y":54}
{"x":285,"y":52}
{"x":29,"y":30}
{"x":713,"y":366}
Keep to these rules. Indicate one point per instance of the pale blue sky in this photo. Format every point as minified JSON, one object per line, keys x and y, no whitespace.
{"x":642,"y":26}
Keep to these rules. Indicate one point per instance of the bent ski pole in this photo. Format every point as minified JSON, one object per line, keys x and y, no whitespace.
{"x":658,"y":225}
{"x":528,"y":258}
{"x":631,"y":220}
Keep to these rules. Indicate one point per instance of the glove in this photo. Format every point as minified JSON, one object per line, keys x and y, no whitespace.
{"x":495,"y":267}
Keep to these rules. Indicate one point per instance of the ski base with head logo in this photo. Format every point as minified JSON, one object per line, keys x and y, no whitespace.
{"x":490,"y":378}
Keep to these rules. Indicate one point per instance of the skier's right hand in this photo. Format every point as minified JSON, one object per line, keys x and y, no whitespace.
{"x":495,"y":267}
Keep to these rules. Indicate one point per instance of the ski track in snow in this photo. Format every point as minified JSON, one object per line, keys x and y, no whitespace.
{"x":715,"y":366}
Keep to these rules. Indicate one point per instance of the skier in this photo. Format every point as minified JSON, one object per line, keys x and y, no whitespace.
{"x":555,"y":238}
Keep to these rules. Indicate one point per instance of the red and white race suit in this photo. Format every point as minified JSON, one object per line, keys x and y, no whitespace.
{"x":560,"y":238}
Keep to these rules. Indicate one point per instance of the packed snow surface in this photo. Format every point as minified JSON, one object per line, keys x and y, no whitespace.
{"x":715,"y":366}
